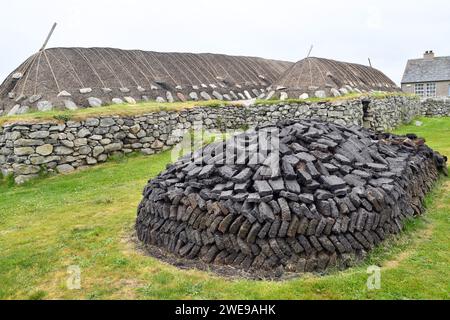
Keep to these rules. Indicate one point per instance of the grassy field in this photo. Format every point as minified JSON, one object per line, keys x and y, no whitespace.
{"x":86,"y":219}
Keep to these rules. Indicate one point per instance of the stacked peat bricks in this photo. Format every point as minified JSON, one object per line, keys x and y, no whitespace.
{"x":306,"y":197}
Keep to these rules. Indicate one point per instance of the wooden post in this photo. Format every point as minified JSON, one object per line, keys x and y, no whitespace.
{"x":370,"y":63}
{"x":48,"y":37}
{"x":309,"y":52}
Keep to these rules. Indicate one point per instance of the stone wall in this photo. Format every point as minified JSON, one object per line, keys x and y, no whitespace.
{"x":28,"y":149}
{"x":387,"y":114}
{"x":436,"y":107}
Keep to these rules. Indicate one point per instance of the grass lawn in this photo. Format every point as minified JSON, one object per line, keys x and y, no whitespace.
{"x":86,"y":219}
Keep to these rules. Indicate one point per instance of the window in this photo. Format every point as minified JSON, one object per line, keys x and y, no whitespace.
{"x":431,"y":90}
{"x":449,"y":90}
{"x":419,"y":90}
{"x":426,"y":89}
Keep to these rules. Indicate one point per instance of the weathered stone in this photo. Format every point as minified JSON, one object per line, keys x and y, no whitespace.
{"x":80,"y":142}
{"x":193,"y":96}
{"x":217,"y":95}
{"x":129,"y":100}
{"x":85,"y":90}
{"x":205,"y":96}
{"x":157,"y":144}
{"x":106,"y":122}
{"x":45,"y":149}
{"x":84,"y":150}
{"x":117,"y":101}
{"x":23,"y":151}
{"x":17,"y":75}
{"x":93,"y":122}
{"x":335,"y":92}
{"x":94,"y":102}
{"x":64,"y":93}
{"x":83,"y":133}
{"x":113,"y":147}
{"x":304,"y":96}
{"x":28,"y":142}
{"x":320,"y":94}
{"x":97,"y":151}
{"x":44,"y":106}
{"x":39,"y":134}
{"x":181,"y":97}
{"x":91,"y":161}
{"x":169,"y":96}
{"x":65,"y":168}
{"x":63,"y":150}
{"x":23,"y":169}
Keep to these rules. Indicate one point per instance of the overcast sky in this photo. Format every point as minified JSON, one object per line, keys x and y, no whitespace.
{"x":387,"y":31}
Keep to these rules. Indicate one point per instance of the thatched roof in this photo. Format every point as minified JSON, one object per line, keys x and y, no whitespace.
{"x":317,"y":74}
{"x":106,"y":73}
{"x":82,"y":77}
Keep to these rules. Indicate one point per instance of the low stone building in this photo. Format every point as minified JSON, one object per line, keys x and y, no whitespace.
{"x":428,"y":77}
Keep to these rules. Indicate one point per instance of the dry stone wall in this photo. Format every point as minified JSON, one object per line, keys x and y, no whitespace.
{"x":27,"y":150}
{"x":386,"y":116}
{"x":436,"y":107}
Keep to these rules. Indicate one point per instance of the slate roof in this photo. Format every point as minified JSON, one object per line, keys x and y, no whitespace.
{"x":421,"y":70}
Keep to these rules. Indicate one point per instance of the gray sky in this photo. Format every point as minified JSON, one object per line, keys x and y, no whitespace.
{"x":389,"y":32}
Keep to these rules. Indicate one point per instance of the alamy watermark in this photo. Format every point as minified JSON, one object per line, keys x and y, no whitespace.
{"x":73,"y":281}
{"x":374,"y":279}
{"x":231,"y":147}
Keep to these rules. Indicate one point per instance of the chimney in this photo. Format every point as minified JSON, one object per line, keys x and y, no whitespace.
{"x":428,"y":55}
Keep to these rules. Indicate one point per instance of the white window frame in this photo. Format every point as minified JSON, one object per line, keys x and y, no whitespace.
{"x":419,"y":89}
{"x":430,"y":90}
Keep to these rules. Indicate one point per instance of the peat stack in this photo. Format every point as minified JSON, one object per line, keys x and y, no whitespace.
{"x":298,"y":196}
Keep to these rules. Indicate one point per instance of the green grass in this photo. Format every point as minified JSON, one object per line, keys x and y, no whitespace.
{"x":86,"y":219}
